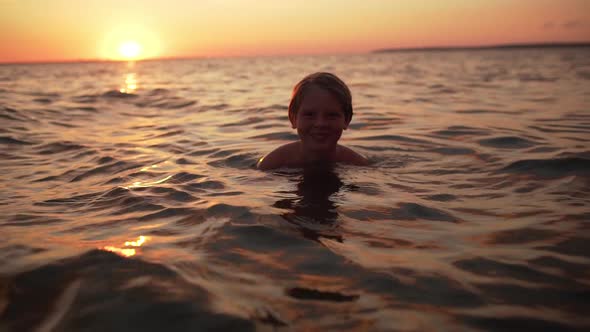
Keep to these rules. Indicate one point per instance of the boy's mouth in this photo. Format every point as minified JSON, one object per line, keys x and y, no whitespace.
{"x":320,"y":136}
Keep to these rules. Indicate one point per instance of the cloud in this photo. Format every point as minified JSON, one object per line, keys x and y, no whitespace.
{"x":574,"y":24}
{"x":567,"y":25}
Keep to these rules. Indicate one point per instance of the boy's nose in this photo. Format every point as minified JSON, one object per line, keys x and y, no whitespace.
{"x":320,"y":121}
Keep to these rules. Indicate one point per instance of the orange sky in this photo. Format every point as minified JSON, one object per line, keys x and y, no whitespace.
{"x":57,"y":30}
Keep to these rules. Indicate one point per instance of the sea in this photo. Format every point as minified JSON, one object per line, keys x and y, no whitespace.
{"x":130,"y":200}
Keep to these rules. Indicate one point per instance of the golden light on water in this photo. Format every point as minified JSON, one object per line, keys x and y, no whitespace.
{"x":120,"y":251}
{"x":128,"y":252}
{"x":141,"y":240}
{"x":139,"y":184}
{"x":130,"y":83}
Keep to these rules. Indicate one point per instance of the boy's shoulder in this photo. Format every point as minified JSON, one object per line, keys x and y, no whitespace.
{"x":290,"y":155}
{"x":284,"y":155}
{"x":349,"y":156}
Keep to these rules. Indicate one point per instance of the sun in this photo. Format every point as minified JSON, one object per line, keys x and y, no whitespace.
{"x":130,"y":50}
{"x":129,"y":42}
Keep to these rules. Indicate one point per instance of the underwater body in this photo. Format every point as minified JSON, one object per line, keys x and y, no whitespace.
{"x":130,"y":198}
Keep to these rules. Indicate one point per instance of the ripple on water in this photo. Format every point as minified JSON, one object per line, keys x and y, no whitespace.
{"x":9,"y":113}
{"x":404,"y":211}
{"x":398,"y":138}
{"x":414,"y":211}
{"x":508,"y":272}
{"x":22,"y":219}
{"x":458,"y":131}
{"x":245,"y":122}
{"x":168,"y":195}
{"x":163,"y":99}
{"x":277,"y":136}
{"x":442,"y":197}
{"x":108,"y":169}
{"x":59,"y":147}
{"x":144,"y":295}
{"x":183,"y":177}
{"x":488,"y":111}
{"x":239,"y":161}
{"x":13,"y":141}
{"x":116,"y":94}
{"x":574,"y":246}
{"x":452,"y":151}
{"x":564,"y":267}
{"x":318,"y":295}
{"x":430,"y":291}
{"x":553,"y":167}
{"x":522,"y":235}
{"x":166,"y":103}
{"x":43,"y":100}
{"x":185,"y":161}
{"x":168,"y":147}
{"x":204,"y":186}
{"x":507,"y":142}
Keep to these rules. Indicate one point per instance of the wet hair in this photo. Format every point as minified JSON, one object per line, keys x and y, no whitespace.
{"x":327,"y":81}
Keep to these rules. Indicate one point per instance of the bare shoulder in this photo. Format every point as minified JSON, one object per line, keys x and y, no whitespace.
{"x":282,"y":156}
{"x":349,"y":156}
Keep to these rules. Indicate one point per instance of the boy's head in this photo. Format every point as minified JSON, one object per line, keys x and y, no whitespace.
{"x":328,"y":82}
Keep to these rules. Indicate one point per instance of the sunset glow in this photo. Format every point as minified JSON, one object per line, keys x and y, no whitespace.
{"x":64,"y":30}
{"x":130,"y":50}
{"x":129,"y":42}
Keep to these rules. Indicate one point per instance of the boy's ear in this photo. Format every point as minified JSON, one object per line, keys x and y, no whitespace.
{"x":346,"y":124}
{"x":292,"y":118}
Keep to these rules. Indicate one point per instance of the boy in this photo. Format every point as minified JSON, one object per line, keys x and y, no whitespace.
{"x":320,"y":109}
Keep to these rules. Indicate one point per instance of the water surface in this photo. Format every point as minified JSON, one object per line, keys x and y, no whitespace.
{"x":130,"y":200}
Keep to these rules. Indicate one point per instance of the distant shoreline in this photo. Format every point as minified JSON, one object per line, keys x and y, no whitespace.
{"x":484,"y":47}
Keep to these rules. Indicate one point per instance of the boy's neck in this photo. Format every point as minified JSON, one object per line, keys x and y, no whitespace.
{"x":312,"y":157}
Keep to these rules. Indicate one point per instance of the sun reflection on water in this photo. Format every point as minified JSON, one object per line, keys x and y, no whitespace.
{"x":141,"y":240}
{"x":139,"y":184}
{"x":121,"y":251}
{"x":130,"y":84}
{"x":128,"y":252}
{"x":147,"y":168}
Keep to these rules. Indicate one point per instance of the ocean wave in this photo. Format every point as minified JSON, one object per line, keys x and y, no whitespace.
{"x":59,"y":147}
{"x":13,"y":141}
{"x":109,"y":169}
{"x":507,"y":142}
{"x":554,"y":167}
{"x":239,"y":161}
{"x":413,"y":211}
{"x":454,"y":151}
{"x":455,"y":131}
{"x":116,"y":94}
{"x":277,"y":136}
{"x":130,"y":284}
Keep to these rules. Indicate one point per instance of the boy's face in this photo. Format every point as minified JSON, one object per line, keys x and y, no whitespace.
{"x":319,"y":120}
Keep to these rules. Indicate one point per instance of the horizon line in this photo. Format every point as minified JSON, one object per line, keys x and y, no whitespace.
{"x":503,"y":46}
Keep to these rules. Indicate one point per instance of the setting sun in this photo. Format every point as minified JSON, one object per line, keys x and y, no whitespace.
{"x":129,"y":42}
{"x":130,"y":50}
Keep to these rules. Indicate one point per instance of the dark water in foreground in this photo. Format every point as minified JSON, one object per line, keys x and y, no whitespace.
{"x":129,"y":199}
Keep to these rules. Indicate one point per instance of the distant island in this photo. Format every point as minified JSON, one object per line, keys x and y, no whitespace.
{"x":484,"y":47}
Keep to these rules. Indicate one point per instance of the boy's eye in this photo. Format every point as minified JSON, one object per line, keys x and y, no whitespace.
{"x":334,"y":115}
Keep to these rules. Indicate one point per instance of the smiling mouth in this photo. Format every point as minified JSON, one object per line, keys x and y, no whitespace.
{"x":320,"y":136}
